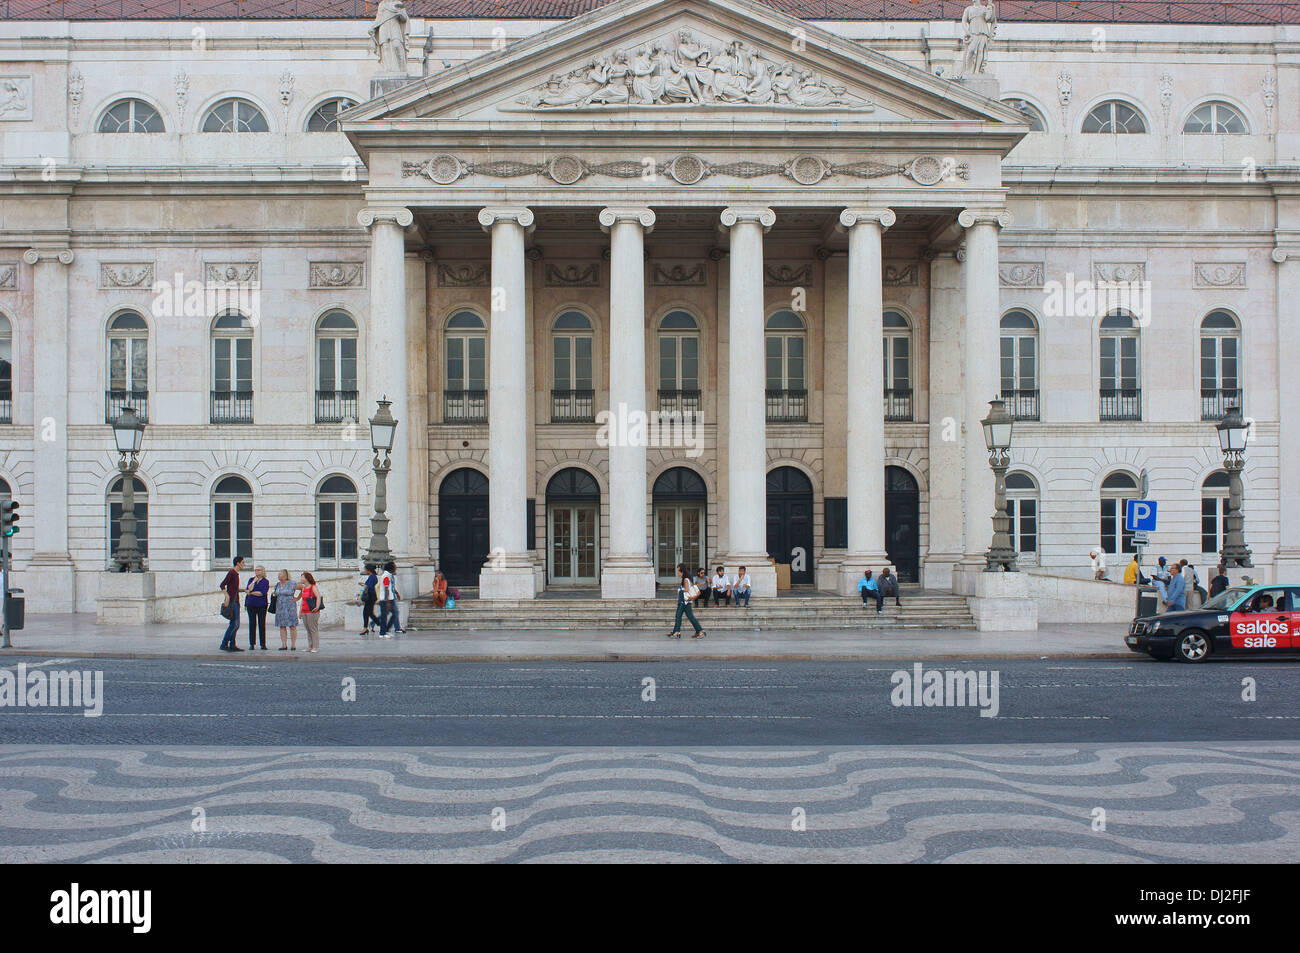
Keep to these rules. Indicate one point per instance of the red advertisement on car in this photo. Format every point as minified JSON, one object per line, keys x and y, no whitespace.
{"x":1265,"y":630}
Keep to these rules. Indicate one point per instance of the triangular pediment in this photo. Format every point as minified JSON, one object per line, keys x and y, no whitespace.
{"x":681,"y":61}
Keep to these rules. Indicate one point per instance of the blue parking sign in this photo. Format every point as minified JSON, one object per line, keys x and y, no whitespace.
{"x":1140,"y":516}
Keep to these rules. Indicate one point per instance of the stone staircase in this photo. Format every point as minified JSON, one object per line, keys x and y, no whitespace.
{"x":920,"y":610}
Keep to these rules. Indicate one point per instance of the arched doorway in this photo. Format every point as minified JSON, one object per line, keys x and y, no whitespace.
{"x":680,"y":509}
{"x":790,"y":522}
{"x":573,"y":528}
{"x":903,"y":522}
{"x":463,"y":526}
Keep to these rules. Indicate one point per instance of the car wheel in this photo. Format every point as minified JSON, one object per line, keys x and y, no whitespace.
{"x":1193,"y":646}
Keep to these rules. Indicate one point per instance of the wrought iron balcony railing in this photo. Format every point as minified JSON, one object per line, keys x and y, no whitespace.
{"x":1121,"y":404}
{"x":464,"y":407}
{"x":898,"y":404}
{"x":1021,"y":404}
{"x":573,"y":406}
{"x":232,"y":407}
{"x":336,"y":406}
{"x":787,"y":406}
{"x":117,"y":401}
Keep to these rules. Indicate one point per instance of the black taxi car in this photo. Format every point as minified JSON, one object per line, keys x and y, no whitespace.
{"x":1241,"y":620}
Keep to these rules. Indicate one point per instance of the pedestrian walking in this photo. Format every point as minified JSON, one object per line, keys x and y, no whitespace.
{"x":255,"y":602}
{"x":283,"y":598}
{"x":230,"y":606}
{"x":687,"y":593}
{"x":386,"y":590}
{"x":888,"y":584}
{"x":310,"y":608}
{"x":397,"y":601}
{"x":369,"y":597}
{"x":1176,"y":593}
{"x":1219,"y":581}
{"x":869,"y":588}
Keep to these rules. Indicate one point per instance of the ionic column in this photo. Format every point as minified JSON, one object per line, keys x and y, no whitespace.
{"x":981,"y":382}
{"x":747,"y":401}
{"x":1287,"y":565}
{"x":508,"y":573}
{"x":385,"y":371}
{"x":865,"y":433}
{"x":625,"y":570}
{"x":50,"y":581}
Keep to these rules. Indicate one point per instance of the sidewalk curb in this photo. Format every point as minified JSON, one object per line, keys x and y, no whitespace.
{"x":579,"y":656}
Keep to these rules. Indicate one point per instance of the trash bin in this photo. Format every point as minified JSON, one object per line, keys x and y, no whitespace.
{"x":1148,"y":603}
{"x":15,"y":610}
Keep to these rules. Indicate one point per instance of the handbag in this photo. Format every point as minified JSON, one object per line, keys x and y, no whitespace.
{"x":227,"y":610}
{"x":271,"y":607}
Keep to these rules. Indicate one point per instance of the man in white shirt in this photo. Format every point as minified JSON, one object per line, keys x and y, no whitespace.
{"x":387,"y":592}
{"x":720,"y":585}
{"x":740,"y":587}
{"x":1098,"y":564}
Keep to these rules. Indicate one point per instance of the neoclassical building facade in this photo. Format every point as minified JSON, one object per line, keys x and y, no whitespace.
{"x":670,"y":280}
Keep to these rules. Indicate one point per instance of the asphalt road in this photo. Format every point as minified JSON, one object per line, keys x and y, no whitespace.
{"x":241,"y":703}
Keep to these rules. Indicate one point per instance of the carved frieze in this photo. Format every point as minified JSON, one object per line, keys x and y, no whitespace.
{"x":337,"y":274}
{"x":15,"y":98}
{"x":571,"y":275}
{"x":665,"y":274}
{"x":8,"y":276}
{"x":247,"y":273}
{"x":900,"y":275}
{"x":1020,"y":274}
{"x":1219,"y":274}
{"x":789,"y":276}
{"x":687,"y":69}
{"x":133,"y":276}
{"x":1115,"y":272}
{"x":688,"y":169}
{"x":469,"y":275}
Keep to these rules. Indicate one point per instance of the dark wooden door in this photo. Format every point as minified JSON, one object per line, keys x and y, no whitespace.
{"x":790,"y":523}
{"x":463,"y":526}
{"x":903,"y":523}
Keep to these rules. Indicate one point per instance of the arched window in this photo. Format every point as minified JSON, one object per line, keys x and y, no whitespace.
{"x":6,"y":371}
{"x":232,"y":521}
{"x":232,"y":369}
{"x":336,"y":522}
{"x":679,"y":363}
{"x":1019,"y":358}
{"x":1121,"y":384}
{"x":787,"y":394}
{"x":131,"y":115}
{"x":465,"y":396}
{"x":325,"y":117}
{"x":572,"y":395}
{"x":336,"y":368}
{"x":1214,"y":509}
{"x":234,"y":115}
{"x":1022,"y":507}
{"x":1032,"y":116}
{"x":128,"y":366}
{"x":140,"y":506}
{"x":1116,"y":490}
{"x":1210,"y":119}
{"x":898,"y":366}
{"x":1220,"y":377}
{"x":1114,"y":117}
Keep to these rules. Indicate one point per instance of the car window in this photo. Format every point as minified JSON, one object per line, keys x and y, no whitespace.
{"x":1228,"y":597}
{"x":1275,"y":599}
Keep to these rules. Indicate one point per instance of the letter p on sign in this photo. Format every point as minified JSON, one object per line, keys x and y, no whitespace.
{"x":1140,"y":516}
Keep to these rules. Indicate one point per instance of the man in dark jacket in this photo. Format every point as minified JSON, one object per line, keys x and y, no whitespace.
{"x":889,"y":585}
{"x":230,"y":586}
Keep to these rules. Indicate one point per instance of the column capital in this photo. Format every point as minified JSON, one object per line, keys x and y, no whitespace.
{"x":392,"y":215}
{"x":884,"y":217}
{"x":736,"y":214}
{"x":519,"y":214}
{"x":64,"y":256}
{"x":970,"y":217}
{"x":626,"y":214}
{"x":1285,"y":253}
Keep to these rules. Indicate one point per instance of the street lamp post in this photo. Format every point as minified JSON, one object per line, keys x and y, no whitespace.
{"x":128,"y":432}
{"x":383,"y":427}
{"x":997,"y":438}
{"x":1234,"y":432}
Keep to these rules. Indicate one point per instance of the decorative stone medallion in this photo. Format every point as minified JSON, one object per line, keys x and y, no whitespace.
{"x":336,"y":274}
{"x":1115,"y":272}
{"x":1015,"y":274}
{"x":15,"y":98}
{"x":788,"y":276}
{"x":8,"y":276}
{"x":1217,"y":274}
{"x":126,"y":276}
{"x":232,"y":273}
{"x":471,"y":275}
{"x":572,"y":275}
{"x":666,"y":274}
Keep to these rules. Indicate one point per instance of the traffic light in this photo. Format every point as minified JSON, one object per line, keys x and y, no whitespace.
{"x":8,"y":517}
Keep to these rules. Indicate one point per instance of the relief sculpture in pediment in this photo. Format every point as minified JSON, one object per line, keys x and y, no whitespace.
{"x":689,"y":71}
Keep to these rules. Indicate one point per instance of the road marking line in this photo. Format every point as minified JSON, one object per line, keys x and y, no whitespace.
{"x":265,"y":715}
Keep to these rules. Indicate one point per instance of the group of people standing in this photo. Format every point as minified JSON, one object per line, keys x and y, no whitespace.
{"x":286,"y":601}
{"x":1177,"y":584}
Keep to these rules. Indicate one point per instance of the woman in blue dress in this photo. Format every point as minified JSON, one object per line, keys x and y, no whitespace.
{"x":286,"y":611}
